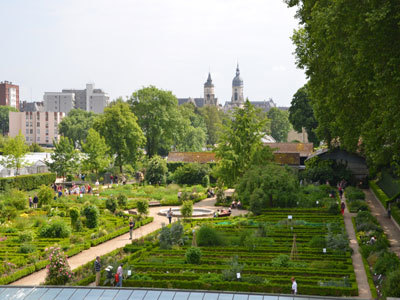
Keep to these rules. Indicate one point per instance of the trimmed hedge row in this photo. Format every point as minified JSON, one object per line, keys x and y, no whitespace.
{"x":243,"y":287}
{"x":383,"y":198}
{"x":27,"y":182}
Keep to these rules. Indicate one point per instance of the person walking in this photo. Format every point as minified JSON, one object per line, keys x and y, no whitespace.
{"x":119,"y":272}
{"x":294,"y":286}
{"x":30,"y":202}
{"x":35,"y":201}
{"x":97,"y":269}
{"x":342,"y":207}
{"x":169,"y":215}
{"x":131,"y":227}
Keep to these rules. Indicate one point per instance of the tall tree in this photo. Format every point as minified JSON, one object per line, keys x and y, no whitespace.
{"x":14,"y":151}
{"x":75,"y":126}
{"x":118,"y":125}
{"x":64,"y":157}
{"x":158,"y":116}
{"x":96,"y":151}
{"x":280,"y":124}
{"x":301,"y":114}
{"x":4,"y":118}
{"x":240,"y":144}
{"x":213,"y":120}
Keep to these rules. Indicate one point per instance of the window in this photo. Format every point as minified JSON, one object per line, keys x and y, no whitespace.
{"x":38,"y":124}
{"x":38,"y":139}
{"x":38,"y":131}
{"x":47,"y":131}
{"x":27,"y":131}
{"x":55,"y":132}
{"x":27,"y":139}
{"x":47,"y":125}
{"x":27,"y":124}
{"x":31,"y":131}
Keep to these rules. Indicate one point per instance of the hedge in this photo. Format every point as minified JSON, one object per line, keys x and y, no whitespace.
{"x":172,"y":166}
{"x":27,"y":182}
{"x":383,"y":198}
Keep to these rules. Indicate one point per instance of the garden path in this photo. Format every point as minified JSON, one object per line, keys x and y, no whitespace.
{"x":361,"y":277}
{"x":389,"y":226}
{"x":118,"y":242}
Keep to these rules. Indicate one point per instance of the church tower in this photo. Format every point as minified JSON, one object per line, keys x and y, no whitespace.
{"x":237,"y":89}
{"x":209,"y":96}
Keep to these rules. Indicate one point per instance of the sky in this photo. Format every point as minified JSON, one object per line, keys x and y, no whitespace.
{"x":124,"y":45}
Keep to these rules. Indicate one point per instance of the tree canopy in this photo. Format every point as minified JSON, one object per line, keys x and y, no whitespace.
{"x":158,"y":116}
{"x":350,"y":51}
{"x":64,"y":157}
{"x":301,"y":114}
{"x":280,"y":124}
{"x":14,"y":150}
{"x":118,"y":125}
{"x":96,"y":150}
{"x":240,"y":144}
{"x":76,"y":124}
{"x":4,"y":118}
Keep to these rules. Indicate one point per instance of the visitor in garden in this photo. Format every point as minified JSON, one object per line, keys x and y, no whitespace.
{"x":35,"y":201}
{"x":119,"y":272}
{"x":97,"y":269}
{"x":340,"y":192}
{"x":30,"y":202}
{"x":179,"y":195}
{"x":294,"y":286}
{"x":342,"y":207}
{"x":239,"y":205}
{"x":131,"y":226}
{"x":169,"y":215}
{"x":233,"y":204}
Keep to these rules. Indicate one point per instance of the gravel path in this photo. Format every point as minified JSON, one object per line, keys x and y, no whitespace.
{"x":118,"y":242}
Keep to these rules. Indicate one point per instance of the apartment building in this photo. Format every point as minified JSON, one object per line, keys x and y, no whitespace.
{"x":58,"y":102}
{"x":37,"y":127}
{"x":9,"y":94}
{"x":90,"y":99}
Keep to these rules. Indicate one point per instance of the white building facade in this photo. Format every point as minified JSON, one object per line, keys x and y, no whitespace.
{"x":58,"y":102}
{"x":90,"y":99}
{"x":37,"y":127}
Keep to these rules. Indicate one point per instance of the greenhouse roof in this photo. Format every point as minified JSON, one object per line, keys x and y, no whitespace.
{"x":103,"y":293}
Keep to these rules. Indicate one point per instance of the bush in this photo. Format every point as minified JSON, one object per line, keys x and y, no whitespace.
{"x":122,"y":200}
{"x":206,"y":181}
{"x":353,"y":193}
{"x":17,"y":199}
{"x":164,"y":238}
{"x":193,"y":255}
{"x":208,"y":236}
{"x":142,"y":206}
{"x":231,"y":273}
{"x":317,"y":242}
{"x":191,"y":174}
{"x":27,"y":248}
{"x":55,"y":229}
{"x":391,"y":287}
{"x":187,"y":209}
{"x":27,"y":182}
{"x":45,"y":195}
{"x":281,"y":261}
{"x":156,"y":170}
{"x":111,"y":204}
{"x":387,"y":262}
{"x":74,"y":215}
{"x":58,"y":271}
{"x":334,"y":208}
{"x":91,"y":213}
{"x":26,"y":236}
{"x":177,"y":237}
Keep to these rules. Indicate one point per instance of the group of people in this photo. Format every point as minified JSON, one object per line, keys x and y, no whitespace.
{"x":33,"y":202}
{"x":74,"y":190}
{"x":118,"y":275}
{"x":222,"y":212}
{"x":210,"y":193}
{"x":235,"y":204}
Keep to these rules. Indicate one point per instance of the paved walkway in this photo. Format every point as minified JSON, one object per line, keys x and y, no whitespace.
{"x":361,"y":277}
{"x":118,"y":242}
{"x":389,"y":226}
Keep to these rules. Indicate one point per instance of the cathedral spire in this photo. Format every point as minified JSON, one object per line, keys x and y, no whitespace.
{"x":237,"y":69}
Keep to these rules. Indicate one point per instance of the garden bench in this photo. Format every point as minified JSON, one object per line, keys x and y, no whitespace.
{"x":154,"y":203}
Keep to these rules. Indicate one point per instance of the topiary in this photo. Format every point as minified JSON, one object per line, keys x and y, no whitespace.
{"x":206,"y":180}
{"x":142,"y":206}
{"x":122,"y":200}
{"x":156,"y":170}
{"x":111,"y":204}
{"x":193,"y":255}
{"x":187,"y":209}
{"x":91,"y":212}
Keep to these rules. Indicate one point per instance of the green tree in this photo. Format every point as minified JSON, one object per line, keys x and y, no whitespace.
{"x":4,"y":118}
{"x":76,"y":125}
{"x":45,"y":195}
{"x":142,"y":207}
{"x":280,"y":124}
{"x":96,"y":151}
{"x":64,"y":159}
{"x":192,"y":140}
{"x":121,"y":132}
{"x":301,"y":114}
{"x":14,"y":151}
{"x":156,"y":170}
{"x":187,"y":209}
{"x":213,"y":118}
{"x":266,"y":186}
{"x":240,"y":144}
{"x":158,"y":116}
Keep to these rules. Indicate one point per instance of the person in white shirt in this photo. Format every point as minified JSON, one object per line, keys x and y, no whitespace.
{"x":294,"y":286}
{"x":120,"y":271}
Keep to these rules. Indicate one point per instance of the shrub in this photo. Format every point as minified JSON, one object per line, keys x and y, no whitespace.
{"x":334,"y":208}
{"x":191,"y":173}
{"x":210,"y":278}
{"x":27,"y":248}
{"x":387,"y":262}
{"x":74,"y":214}
{"x":206,"y":181}
{"x":193,"y":255}
{"x":26,"y":236}
{"x":55,"y":229}
{"x":142,"y":206}
{"x":281,"y":261}
{"x":122,"y":200}
{"x":353,"y":193}
{"x":58,"y":271}
{"x":17,"y":199}
{"x":208,"y":236}
{"x":231,"y":273}
{"x":165,"y":238}
{"x":177,"y":237}
{"x":111,"y":204}
{"x":187,"y":209}
{"x":156,"y":170}
{"x":27,"y":182}
{"x":391,"y":287}
{"x":45,"y":195}
{"x":91,"y":212}
{"x":317,"y":242}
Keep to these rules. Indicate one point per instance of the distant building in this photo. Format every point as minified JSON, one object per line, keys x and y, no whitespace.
{"x":89,"y":99}
{"x":9,"y":94}
{"x":209,"y":96}
{"x":37,"y":127}
{"x":35,"y":163}
{"x":192,"y":157}
{"x":31,"y":106}
{"x":286,"y":150}
{"x":294,"y":136}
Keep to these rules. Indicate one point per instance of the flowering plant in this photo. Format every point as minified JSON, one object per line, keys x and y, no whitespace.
{"x":58,"y":271}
